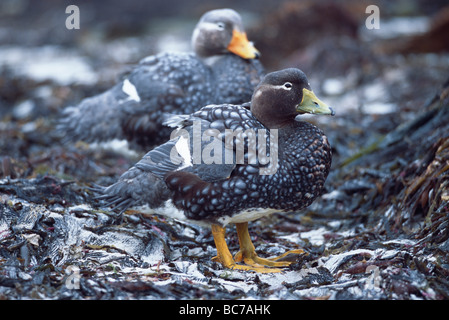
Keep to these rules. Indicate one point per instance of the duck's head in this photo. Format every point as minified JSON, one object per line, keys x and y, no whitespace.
{"x":220,"y":31}
{"x":282,"y":95}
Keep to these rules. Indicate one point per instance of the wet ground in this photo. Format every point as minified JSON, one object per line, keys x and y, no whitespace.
{"x":379,"y":231}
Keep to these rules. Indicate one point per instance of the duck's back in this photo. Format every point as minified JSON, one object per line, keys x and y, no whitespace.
{"x":167,"y":83}
{"x":300,"y":159}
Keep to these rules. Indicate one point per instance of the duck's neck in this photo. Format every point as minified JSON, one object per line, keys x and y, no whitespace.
{"x":211,"y":60}
{"x":277,"y":121}
{"x":235,"y":78}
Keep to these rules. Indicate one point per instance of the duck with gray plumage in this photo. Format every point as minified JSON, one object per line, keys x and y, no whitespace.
{"x":215,"y":186}
{"x":222,"y":69}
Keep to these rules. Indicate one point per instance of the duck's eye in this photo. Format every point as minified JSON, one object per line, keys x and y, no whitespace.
{"x":287,"y":86}
{"x":221,"y":25}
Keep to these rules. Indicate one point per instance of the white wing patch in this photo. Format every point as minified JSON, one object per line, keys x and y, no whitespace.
{"x":183,"y":148}
{"x":130,"y":90}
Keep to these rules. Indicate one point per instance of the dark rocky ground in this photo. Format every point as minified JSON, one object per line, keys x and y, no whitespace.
{"x":380,"y":230}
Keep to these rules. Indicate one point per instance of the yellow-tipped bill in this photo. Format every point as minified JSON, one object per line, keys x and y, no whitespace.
{"x":311,"y":104}
{"x":240,"y":46}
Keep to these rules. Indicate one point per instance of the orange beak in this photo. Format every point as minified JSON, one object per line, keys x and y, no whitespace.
{"x":240,"y":46}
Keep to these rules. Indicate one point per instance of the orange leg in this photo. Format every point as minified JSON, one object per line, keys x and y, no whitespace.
{"x":247,"y":253}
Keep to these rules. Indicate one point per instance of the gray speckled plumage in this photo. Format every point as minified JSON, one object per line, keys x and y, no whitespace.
{"x":218,"y":193}
{"x":166,"y":83}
